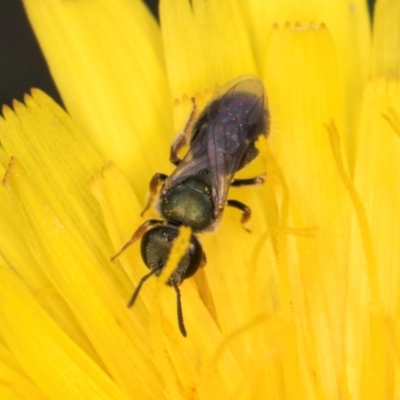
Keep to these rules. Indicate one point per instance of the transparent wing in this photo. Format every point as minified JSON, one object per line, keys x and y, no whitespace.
{"x":228,"y":125}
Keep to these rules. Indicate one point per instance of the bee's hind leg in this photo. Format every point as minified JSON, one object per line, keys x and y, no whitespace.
{"x":246,"y":211}
{"x":183,"y":138}
{"x":257,"y":180}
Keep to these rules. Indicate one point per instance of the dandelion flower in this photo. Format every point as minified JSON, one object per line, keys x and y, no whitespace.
{"x":305,"y":306}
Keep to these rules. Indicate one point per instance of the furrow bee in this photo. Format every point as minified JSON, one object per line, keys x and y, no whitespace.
{"x":220,"y":142}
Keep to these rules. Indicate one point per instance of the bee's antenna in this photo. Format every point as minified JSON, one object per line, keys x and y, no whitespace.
{"x":132,"y":300}
{"x":179,"y":308}
{"x":137,"y":235}
{"x":178,"y":299}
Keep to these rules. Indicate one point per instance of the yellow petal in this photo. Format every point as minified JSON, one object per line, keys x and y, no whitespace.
{"x":66,"y":235}
{"x":348,"y":24}
{"x":300,"y":107}
{"x":205,"y":44}
{"x":15,"y":381}
{"x":386,"y":42}
{"x":107,"y":62}
{"x":376,"y":179}
{"x":45,"y":351}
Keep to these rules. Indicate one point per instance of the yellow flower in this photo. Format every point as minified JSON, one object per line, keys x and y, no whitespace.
{"x":305,"y":306}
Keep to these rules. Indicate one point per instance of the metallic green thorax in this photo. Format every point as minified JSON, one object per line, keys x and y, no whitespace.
{"x":188,"y":203}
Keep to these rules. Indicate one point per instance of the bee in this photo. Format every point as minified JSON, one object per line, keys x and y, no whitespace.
{"x":221,"y":141}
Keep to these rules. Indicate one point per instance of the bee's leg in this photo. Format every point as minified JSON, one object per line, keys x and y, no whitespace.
{"x":183,"y":138}
{"x":136,"y":235}
{"x":257,"y":180}
{"x":246,"y":211}
{"x":156,"y":181}
{"x":180,"y":141}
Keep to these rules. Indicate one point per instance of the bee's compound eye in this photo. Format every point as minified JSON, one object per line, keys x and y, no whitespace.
{"x":156,"y":246}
